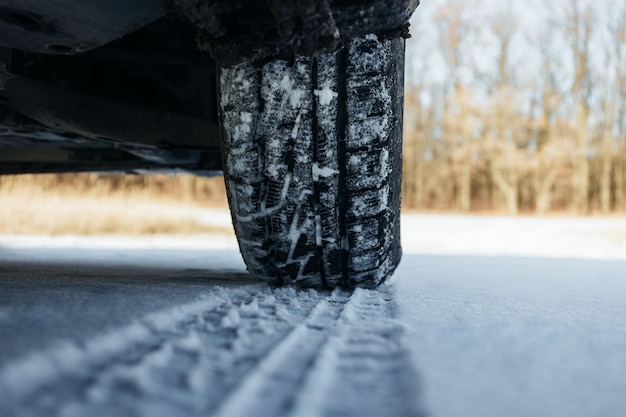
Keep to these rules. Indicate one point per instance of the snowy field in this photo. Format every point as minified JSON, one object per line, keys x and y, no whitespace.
{"x":486,"y":316}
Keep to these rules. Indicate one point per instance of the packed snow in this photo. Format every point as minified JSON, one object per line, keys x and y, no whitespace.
{"x":326,"y":95}
{"x":485,"y":316}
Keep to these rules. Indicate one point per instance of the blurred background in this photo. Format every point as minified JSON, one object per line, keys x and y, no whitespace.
{"x":516,"y":107}
{"x":510,"y":108}
{"x":110,"y":204}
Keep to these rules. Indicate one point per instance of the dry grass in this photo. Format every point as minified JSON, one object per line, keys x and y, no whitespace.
{"x":88,"y":205}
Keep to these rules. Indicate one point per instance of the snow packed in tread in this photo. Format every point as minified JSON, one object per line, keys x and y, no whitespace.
{"x":314,"y":187}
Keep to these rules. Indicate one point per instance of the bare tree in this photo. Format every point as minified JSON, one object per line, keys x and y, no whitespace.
{"x":607,"y":140}
{"x":617,"y":40}
{"x":415,"y":131}
{"x":578,"y":27}
{"x":548,"y":156}
{"x":508,"y":161}
{"x":418,"y":127}
{"x":454,"y":29}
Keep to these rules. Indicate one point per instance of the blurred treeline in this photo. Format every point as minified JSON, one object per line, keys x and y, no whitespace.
{"x":517,"y":110}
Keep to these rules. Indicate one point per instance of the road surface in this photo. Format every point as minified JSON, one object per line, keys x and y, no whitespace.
{"x":94,"y":328}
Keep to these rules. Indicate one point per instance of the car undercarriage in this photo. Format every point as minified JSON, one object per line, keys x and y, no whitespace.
{"x":298,"y":103}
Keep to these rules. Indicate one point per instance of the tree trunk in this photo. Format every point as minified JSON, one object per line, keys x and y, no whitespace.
{"x":509,"y":191}
{"x":419,"y":174}
{"x":581,"y":168}
{"x":619,"y":184}
{"x":605,"y":174}
{"x":465,"y":185}
{"x":544,"y":196}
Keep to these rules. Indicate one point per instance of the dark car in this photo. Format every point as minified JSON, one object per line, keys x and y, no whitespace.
{"x":298,"y":103}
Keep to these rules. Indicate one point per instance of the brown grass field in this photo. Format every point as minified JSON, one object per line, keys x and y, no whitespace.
{"x":91,"y":204}
{"x":103,"y":204}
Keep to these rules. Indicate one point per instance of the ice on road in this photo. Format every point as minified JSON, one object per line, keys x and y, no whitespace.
{"x":485,"y":316}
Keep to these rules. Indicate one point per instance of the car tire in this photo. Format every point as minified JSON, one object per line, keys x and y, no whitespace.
{"x":312,"y":163}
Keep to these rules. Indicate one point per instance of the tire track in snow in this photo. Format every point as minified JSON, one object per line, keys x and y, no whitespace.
{"x":235,"y":352}
{"x":364,"y":369}
{"x":347,"y":358}
{"x":182,"y":360}
{"x":272,"y":385}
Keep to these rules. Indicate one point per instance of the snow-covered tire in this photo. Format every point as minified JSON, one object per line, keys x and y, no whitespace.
{"x":312,"y":164}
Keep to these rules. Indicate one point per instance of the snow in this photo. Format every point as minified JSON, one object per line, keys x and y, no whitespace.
{"x":192,"y":242}
{"x":516,"y":336}
{"x":246,"y":119}
{"x":22,"y":377}
{"x":294,"y":95}
{"x":326,"y":95}
{"x":564,"y":237}
{"x":485,"y":316}
{"x":516,"y":316}
{"x":231,"y":320}
{"x":318,"y":234}
{"x":324,"y":172}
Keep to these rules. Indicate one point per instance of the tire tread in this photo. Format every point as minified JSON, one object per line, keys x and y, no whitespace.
{"x":315,"y":146}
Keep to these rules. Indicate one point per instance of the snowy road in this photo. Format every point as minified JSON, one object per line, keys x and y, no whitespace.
{"x":532,"y":326}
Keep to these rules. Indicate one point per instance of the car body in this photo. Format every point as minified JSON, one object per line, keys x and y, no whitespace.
{"x":134,"y":87}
